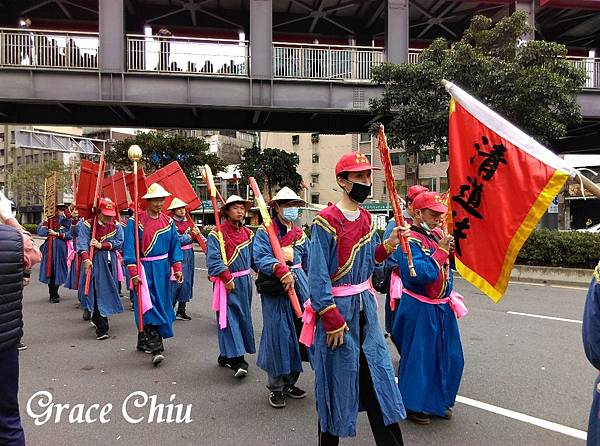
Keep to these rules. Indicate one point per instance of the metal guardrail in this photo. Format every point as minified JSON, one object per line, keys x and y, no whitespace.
{"x":591,"y":66}
{"x":187,"y":55}
{"x":314,"y":61}
{"x":48,"y":49}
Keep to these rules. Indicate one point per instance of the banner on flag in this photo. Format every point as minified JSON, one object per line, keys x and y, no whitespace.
{"x":501,"y":183}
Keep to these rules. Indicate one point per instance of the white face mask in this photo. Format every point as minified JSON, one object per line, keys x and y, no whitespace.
{"x":426,"y":227}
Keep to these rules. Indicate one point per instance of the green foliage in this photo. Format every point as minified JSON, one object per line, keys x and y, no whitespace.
{"x":27,"y":181}
{"x":546,"y":247}
{"x":274,"y":168}
{"x":160,"y":149}
{"x":31,"y":228}
{"x":529,"y":83}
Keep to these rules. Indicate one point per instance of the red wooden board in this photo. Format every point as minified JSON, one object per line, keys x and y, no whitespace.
{"x":115,"y":188}
{"x":172,"y":178}
{"x":86,"y":188}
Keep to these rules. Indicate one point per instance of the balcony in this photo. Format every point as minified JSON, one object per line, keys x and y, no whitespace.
{"x":48,"y":49}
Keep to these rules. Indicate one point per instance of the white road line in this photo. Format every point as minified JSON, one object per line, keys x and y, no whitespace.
{"x":516,"y":282}
{"x":539,"y":316}
{"x":567,"y":287}
{"x":549,"y":425}
{"x":201,"y":269}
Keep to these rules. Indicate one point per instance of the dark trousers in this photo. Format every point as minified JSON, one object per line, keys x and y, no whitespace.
{"x":383,"y":435}
{"x":101,"y":322}
{"x":53,"y":289}
{"x":11,"y":432}
{"x":154,"y":340}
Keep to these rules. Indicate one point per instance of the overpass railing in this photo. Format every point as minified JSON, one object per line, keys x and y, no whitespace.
{"x":314,"y":61}
{"x":48,"y":49}
{"x":167,"y":54}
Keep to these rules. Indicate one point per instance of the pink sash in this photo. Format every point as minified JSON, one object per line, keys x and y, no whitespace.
{"x":120,"y":277}
{"x":183,"y":248}
{"x":309,"y":317}
{"x":396,"y":287}
{"x":455,"y":300}
{"x":144,"y":290}
{"x":71,"y":253}
{"x":219,"y":302}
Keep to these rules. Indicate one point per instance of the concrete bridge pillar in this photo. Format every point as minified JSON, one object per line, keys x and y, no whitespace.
{"x":112,"y":36}
{"x":396,"y":31}
{"x":261,"y":39}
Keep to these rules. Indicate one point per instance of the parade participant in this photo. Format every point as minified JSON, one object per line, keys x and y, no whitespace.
{"x":74,"y":260}
{"x":103,"y":299}
{"x":59,"y":254}
{"x":391,"y":265}
{"x":124,"y":219}
{"x":161,"y":251}
{"x":18,"y":254}
{"x":235,"y":331}
{"x":352,"y":364}
{"x":182,"y":293}
{"x":425,"y":327}
{"x":279,"y":350}
{"x":591,"y":345}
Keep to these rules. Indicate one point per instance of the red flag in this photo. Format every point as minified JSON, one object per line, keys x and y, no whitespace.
{"x":172,"y":178}
{"x":501,"y":183}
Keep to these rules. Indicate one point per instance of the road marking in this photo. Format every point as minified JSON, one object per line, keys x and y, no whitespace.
{"x":567,"y":287}
{"x":549,"y":425}
{"x":201,"y":269}
{"x":539,"y":316}
{"x":516,"y":282}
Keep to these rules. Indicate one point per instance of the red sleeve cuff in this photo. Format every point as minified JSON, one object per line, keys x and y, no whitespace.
{"x":440,"y":256}
{"x":280,"y":270}
{"x":85,"y":255}
{"x":177,"y":268}
{"x":132,"y":270}
{"x":381,"y":253}
{"x":107,"y":246}
{"x":333,"y":322}
{"x":74,"y":221}
{"x":226,"y":276}
{"x":61,"y":236}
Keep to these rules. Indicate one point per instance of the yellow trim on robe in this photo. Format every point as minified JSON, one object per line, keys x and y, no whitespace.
{"x":155,"y":237}
{"x":345,"y":269}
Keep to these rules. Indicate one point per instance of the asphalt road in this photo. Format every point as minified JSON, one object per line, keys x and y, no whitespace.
{"x":528,"y":365}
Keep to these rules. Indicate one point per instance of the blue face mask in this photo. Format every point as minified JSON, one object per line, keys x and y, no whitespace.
{"x":290,"y":214}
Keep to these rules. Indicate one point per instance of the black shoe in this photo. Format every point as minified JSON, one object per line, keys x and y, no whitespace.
{"x":157,"y":359}
{"x":223,"y":361}
{"x":294,"y":392}
{"x":418,"y":418}
{"x":277,"y":400}
{"x":21,"y":347}
{"x":182,"y":316}
{"x":102,"y":337}
{"x":54,"y":299}
{"x":86,"y":315}
{"x":241,"y":370}
{"x":448,"y":414}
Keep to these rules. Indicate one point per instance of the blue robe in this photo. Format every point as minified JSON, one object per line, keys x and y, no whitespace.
{"x":279,"y":352}
{"x":427,"y":335}
{"x":59,"y":250}
{"x":591,"y":345}
{"x":160,"y":238}
{"x":103,"y":283}
{"x":341,"y":255}
{"x":238,"y":337}
{"x":72,"y":282}
{"x":183,"y":292}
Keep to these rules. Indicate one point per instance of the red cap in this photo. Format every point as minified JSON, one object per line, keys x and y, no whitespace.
{"x":415,"y":190}
{"x":353,"y":162}
{"x":107,"y":207}
{"x":430,"y":200}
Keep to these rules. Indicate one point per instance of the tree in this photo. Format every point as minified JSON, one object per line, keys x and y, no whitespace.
{"x":27,"y":181}
{"x":529,"y":83}
{"x":274,"y":168}
{"x":160,"y":149}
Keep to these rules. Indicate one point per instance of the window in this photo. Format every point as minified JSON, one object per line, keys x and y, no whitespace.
{"x":314,"y":138}
{"x":364,"y":137}
{"x":314,"y":198}
{"x":443,"y":184}
{"x":443,"y":157}
{"x":429,"y":183}
{"x":295,"y":139}
{"x":368,"y":157}
{"x":398,"y":158}
{"x":315,"y":158}
{"x":314,"y":179}
{"x":401,"y":187}
{"x":384,"y":188}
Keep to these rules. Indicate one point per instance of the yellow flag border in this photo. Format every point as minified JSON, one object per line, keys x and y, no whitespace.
{"x":552,"y":188}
